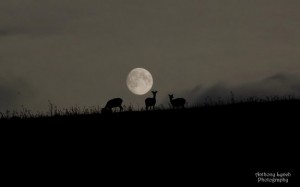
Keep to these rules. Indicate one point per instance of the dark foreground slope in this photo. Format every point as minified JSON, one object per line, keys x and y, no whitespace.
{"x":217,"y":144}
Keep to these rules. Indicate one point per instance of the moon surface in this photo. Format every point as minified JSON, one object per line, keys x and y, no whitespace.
{"x":139,"y":81}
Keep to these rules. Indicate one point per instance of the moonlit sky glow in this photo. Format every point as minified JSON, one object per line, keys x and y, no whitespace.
{"x":79,"y":52}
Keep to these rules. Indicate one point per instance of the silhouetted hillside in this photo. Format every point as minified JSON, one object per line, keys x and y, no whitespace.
{"x":258,"y":112}
{"x":208,"y":144}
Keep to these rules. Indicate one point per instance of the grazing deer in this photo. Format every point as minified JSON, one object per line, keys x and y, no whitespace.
{"x":116,"y":102}
{"x":150,"y":102}
{"x":178,"y":102}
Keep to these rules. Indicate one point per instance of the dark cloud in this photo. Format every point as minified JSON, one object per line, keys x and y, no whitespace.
{"x":38,"y":18}
{"x":14,"y":93}
{"x":8,"y":32}
{"x":276,"y":85}
{"x":4,"y":32}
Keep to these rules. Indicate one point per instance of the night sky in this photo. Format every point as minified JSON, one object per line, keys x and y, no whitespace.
{"x":79,"y":52}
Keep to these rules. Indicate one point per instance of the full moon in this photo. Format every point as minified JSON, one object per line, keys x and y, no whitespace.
{"x":139,"y":81}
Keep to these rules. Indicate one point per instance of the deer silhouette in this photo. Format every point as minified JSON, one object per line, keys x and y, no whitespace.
{"x":116,"y":102}
{"x":178,"y":102}
{"x":150,"y":102}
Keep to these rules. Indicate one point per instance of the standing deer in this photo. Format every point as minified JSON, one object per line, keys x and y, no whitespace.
{"x":116,"y":102}
{"x":178,"y":102}
{"x":150,"y":102}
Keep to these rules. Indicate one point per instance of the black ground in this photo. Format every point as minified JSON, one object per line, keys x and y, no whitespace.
{"x":214,"y":144}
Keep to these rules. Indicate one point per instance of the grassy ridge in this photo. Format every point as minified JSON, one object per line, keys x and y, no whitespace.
{"x":250,"y":107}
{"x":212,"y":143}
